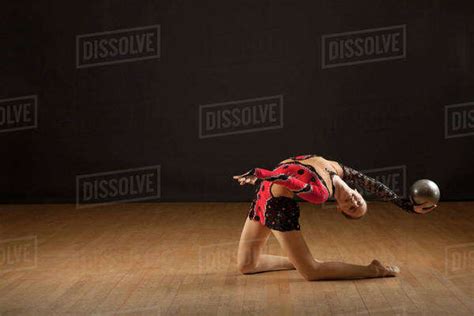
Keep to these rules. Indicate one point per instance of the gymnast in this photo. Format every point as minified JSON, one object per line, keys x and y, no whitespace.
{"x":314,"y":179}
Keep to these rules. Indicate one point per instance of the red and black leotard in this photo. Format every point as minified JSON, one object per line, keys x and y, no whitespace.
{"x":282,"y":213}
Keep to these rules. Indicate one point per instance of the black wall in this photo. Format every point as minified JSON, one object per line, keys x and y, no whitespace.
{"x":128,"y":115}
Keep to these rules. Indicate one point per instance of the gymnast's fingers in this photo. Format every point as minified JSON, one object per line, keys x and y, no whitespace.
{"x":429,"y":208}
{"x":426,"y":205}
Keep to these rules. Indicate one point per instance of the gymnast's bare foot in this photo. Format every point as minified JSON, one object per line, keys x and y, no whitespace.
{"x":378,"y":270}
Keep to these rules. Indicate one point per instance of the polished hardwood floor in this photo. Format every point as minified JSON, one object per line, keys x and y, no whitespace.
{"x":180,"y":258}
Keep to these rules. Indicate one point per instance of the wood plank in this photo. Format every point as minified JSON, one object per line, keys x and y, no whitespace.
{"x":180,"y":258}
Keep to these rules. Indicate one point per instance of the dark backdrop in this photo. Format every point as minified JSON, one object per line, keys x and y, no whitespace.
{"x":128,"y":115}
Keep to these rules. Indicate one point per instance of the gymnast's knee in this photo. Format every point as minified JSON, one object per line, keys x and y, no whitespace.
{"x":246,"y":267}
{"x":247,"y":261}
{"x":311,"y":273}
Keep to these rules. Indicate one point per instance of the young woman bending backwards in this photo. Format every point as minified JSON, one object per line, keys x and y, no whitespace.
{"x":274,"y":209}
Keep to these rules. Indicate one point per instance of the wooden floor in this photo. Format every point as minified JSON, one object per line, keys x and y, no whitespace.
{"x":180,"y":258}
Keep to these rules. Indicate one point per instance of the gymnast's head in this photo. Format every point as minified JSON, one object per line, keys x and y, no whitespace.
{"x":352,"y":204}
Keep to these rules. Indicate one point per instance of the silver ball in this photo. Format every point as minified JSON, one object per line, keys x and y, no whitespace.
{"x":425,"y":190}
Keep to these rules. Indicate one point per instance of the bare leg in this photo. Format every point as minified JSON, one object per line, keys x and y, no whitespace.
{"x":249,"y":258}
{"x":299,"y":254}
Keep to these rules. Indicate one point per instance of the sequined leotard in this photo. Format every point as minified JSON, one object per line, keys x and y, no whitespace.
{"x":282,"y":213}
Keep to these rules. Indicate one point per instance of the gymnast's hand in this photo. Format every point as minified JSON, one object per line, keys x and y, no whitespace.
{"x":246,"y":179}
{"x":423,"y":208}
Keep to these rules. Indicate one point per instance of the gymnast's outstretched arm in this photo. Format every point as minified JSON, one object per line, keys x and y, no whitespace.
{"x":380,"y":190}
